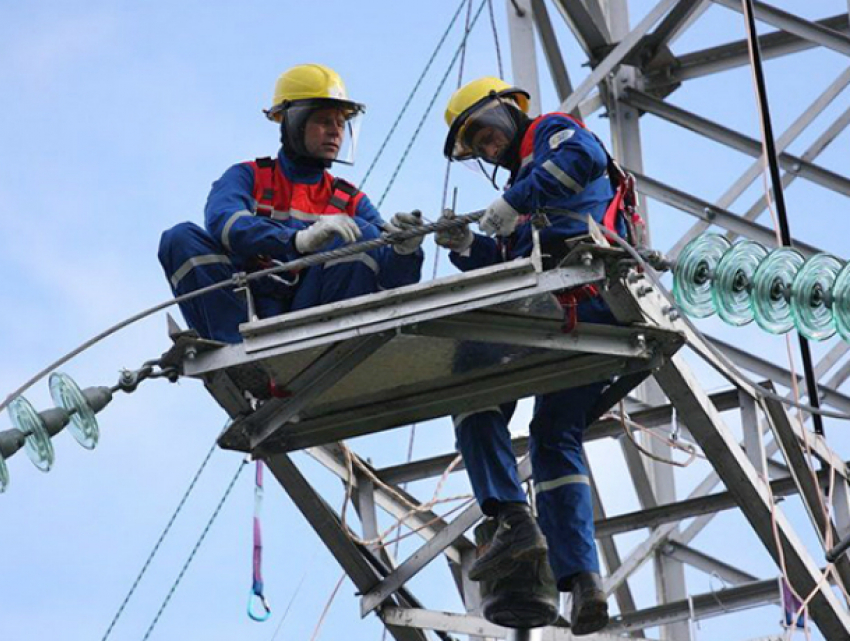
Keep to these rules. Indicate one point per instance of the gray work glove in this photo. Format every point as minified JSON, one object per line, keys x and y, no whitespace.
{"x":323,"y":230}
{"x":457,"y":239}
{"x":405,"y":222}
{"x":500,"y":219}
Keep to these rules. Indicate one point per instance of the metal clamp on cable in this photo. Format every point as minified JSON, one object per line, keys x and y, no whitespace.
{"x":240,"y":284}
{"x":130,"y":379}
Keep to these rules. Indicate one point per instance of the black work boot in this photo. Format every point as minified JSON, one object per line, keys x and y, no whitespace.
{"x":518,"y":539}
{"x":590,"y":608}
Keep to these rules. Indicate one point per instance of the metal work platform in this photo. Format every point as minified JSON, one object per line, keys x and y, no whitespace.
{"x":450,"y":346}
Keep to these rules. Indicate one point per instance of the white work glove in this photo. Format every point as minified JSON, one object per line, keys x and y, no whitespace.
{"x":500,"y":218}
{"x":457,"y":239}
{"x":405,"y":222}
{"x":323,"y":230}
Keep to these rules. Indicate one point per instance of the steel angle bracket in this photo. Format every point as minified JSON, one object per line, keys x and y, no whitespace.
{"x":383,"y":411}
{"x":392,"y":309}
{"x":494,"y":326}
{"x":304,"y":389}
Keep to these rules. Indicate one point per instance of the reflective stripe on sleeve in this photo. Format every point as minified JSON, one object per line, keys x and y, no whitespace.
{"x":562,"y":177}
{"x":571,"y":479}
{"x":460,"y":418}
{"x":225,"y":233}
{"x":370,"y":262}
{"x":197,"y":261}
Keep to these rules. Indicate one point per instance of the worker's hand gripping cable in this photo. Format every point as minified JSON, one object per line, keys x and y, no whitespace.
{"x":323,"y":230}
{"x":456,"y":238}
{"x":406,"y":222}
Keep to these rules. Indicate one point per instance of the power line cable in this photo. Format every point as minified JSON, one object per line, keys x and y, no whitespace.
{"x":195,"y":549}
{"x":412,"y":93}
{"x":431,"y":104}
{"x":496,"y":39}
{"x":160,"y":540}
{"x":772,"y":162}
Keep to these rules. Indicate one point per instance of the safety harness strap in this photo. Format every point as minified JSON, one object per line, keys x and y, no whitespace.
{"x":264,"y":185}
{"x":342,"y":193}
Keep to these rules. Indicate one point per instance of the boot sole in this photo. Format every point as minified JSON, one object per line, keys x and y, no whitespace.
{"x":591,"y":618}
{"x":503,"y":566}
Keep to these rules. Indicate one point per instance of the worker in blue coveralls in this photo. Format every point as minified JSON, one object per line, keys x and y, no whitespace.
{"x":553,"y":161}
{"x":281,"y":209}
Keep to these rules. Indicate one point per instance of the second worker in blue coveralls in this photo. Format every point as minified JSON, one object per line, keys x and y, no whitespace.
{"x":555,"y":162}
{"x":286,"y":207}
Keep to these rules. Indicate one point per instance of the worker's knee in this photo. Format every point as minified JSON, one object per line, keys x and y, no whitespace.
{"x":183,"y":240}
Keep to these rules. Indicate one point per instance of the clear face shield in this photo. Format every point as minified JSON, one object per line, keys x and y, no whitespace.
{"x":486,"y":134}
{"x":325,"y":130}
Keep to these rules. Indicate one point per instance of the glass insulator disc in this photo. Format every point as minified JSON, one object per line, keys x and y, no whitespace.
{"x":733,"y":282}
{"x":811,"y":297}
{"x":37,"y":444}
{"x":67,"y":394}
{"x":4,"y":475}
{"x":841,"y":302}
{"x":771,"y":291}
{"x":694,"y":272}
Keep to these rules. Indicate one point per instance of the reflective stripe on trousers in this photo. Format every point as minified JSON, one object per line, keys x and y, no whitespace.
{"x":197,"y":261}
{"x":554,"y":484}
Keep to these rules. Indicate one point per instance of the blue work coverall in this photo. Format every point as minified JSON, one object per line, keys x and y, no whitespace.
{"x":235,"y":236}
{"x":563,"y":166}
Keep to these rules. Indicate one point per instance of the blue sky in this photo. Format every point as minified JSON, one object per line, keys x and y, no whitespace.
{"x":116,"y":118}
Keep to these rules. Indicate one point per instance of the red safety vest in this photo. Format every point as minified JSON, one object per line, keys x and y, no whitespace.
{"x":280,"y":198}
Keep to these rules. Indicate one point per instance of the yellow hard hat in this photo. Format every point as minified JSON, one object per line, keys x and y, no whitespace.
{"x":309,"y":82}
{"x":474,"y":92}
{"x":473,"y":99}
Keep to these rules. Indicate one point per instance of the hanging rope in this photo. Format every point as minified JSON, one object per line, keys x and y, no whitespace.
{"x":352,"y":460}
{"x":160,"y":540}
{"x":431,"y":104}
{"x":195,"y":549}
{"x":627,"y":424}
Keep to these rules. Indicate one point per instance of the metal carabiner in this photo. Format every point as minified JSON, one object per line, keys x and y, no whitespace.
{"x":254,"y":598}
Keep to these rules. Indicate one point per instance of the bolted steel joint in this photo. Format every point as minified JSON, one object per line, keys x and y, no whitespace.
{"x":672,"y":313}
